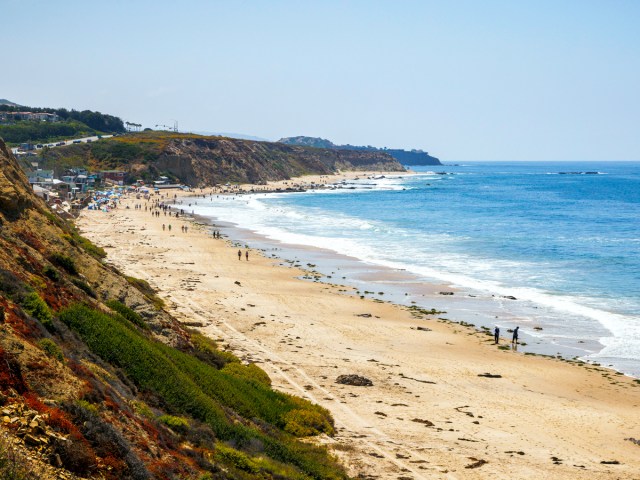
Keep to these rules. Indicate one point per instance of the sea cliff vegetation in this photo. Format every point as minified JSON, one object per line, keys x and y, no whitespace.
{"x":98,"y":380}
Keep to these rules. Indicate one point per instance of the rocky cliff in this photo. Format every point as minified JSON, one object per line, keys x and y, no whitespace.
{"x":203,"y":161}
{"x":98,"y":381}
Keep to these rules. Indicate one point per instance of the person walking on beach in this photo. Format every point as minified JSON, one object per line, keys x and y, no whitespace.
{"x":246,"y":254}
{"x":496,"y":334}
{"x":239,"y":254}
{"x":514,"y":340}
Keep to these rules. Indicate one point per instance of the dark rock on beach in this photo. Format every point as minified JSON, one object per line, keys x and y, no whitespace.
{"x":356,"y":380}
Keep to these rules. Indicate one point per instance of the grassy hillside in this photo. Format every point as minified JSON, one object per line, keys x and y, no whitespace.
{"x":98,"y":380}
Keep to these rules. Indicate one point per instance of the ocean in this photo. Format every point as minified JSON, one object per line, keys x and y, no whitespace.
{"x":562,"y":238}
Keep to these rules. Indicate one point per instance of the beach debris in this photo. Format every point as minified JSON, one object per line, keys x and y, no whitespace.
{"x":537,"y":328}
{"x":382,"y":414}
{"x":509,"y":297}
{"x":237,"y":283}
{"x":424,"y":329}
{"x":556,"y":460}
{"x":490,"y":375}
{"x":364,"y":315}
{"x":519,"y":452}
{"x":459,"y":409}
{"x":445,"y":293}
{"x":416,"y":380}
{"x":633,"y":440}
{"x":476,"y":463}
{"x":610,"y":462}
{"x":355,"y":380}
{"x":426,"y":423}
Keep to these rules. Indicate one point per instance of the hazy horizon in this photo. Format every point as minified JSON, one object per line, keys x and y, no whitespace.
{"x":493,"y":80}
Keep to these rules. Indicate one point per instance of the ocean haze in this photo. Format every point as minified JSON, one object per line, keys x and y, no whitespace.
{"x":462,"y":80}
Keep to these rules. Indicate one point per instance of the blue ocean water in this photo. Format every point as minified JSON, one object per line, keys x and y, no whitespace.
{"x":561,"y":237}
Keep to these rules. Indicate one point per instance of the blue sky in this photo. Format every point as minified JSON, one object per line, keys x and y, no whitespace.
{"x":464,"y":80}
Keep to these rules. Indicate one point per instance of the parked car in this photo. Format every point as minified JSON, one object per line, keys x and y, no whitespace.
{"x":77,"y":141}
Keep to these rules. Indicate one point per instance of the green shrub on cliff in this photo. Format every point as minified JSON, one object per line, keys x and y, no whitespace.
{"x":178,"y":424}
{"x":51,"y":348}
{"x":127,"y":313}
{"x":64,"y":262}
{"x":189,"y":386}
{"x":206,"y":350}
{"x":77,"y":240}
{"x":36,"y":307}
{"x":250,"y":372}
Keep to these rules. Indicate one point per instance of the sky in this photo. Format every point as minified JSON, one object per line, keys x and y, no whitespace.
{"x":463,"y":80}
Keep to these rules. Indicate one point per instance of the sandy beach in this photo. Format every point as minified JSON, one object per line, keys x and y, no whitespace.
{"x":445,"y":401}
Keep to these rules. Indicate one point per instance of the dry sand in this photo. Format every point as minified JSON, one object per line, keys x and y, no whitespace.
{"x":428,"y":414}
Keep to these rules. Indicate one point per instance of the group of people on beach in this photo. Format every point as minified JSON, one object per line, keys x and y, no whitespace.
{"x":514,"y":338}
{"x":246,"y":254}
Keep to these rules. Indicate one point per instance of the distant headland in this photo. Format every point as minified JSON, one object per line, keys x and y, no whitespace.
{"x":406,"y":157}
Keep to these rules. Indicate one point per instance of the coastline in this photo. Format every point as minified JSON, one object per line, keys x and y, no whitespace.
{"x":481,"y":307}
{"x":305,"y":334}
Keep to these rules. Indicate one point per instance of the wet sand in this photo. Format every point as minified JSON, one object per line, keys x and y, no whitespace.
{"x":430,"y":412}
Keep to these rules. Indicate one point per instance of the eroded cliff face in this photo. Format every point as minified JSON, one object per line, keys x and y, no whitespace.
{"x":15,"y":191}
{"x":204,"y":161}
{"x":210,"y":160}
